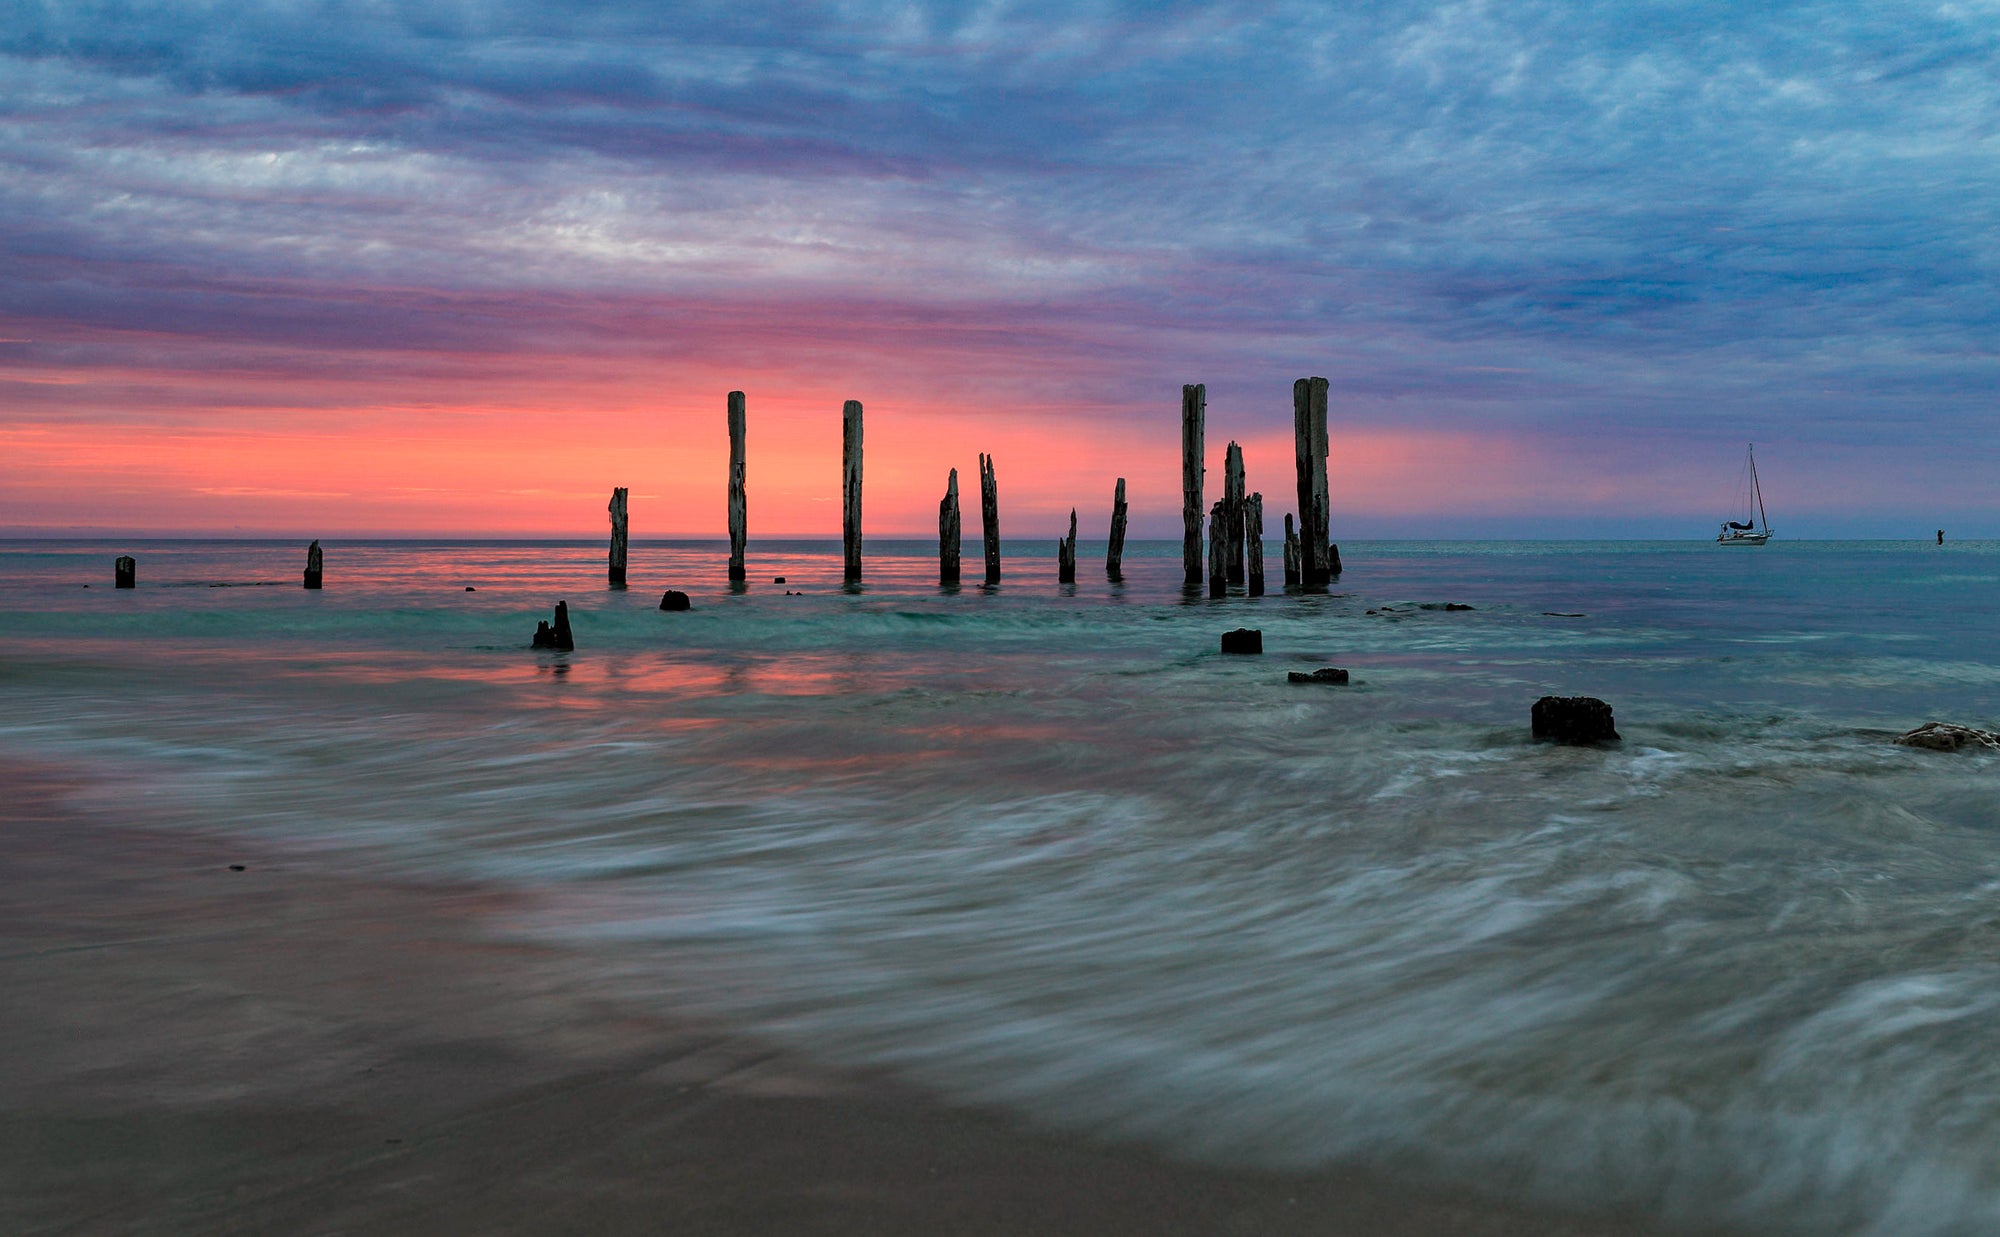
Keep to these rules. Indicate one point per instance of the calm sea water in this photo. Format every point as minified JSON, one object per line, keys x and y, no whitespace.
{"x":1045,"y":847}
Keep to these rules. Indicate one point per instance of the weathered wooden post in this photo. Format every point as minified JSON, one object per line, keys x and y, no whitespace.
{"x":1232,"y":508}
{"x":314,"y":563}
{"x":1066,"y":553}
{"x":1291,"y":552}
{"x":1194,"y":406}
{"x":557,"y":637}
{"x":1114,"y":558}
{"x":1218,"y":550}
{"x":1253,"y":528}
{"x":618,"y":537}
{"x":989,"y":516}
{"x":125,"y":572}
{"x":1309,"y":441}
{"x":850,"y":454}
{"x":739,"y":511}
{"x":948,"y":538}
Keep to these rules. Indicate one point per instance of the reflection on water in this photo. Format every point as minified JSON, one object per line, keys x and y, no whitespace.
{"x":1051,"y":849}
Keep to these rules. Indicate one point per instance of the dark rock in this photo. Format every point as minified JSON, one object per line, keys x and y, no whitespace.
{"x":557,"y":637}
{"x":1563,"y":614}
{"x":675,"y":600}
{"x":1243,"y":640}
{"x":1947,"y":737}
{"x":470,"y":589}
{"x":236,"y":867}
{"x":1444,"y":605}
{"x":777,"y":579}
{"x":1332,"y":559}
{"x":1326,"y":674}
{"x":1572,"y":719}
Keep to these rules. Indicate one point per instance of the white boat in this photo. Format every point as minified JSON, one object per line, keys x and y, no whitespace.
{"x":1743,"y":532}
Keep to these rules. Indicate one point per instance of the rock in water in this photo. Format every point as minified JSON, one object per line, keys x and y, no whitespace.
{"x":1573,"y":719}
{"x":1947,"y":737}
{"x":1326,"y":674}
{"x":675,"y":600}
{"x":1243,"y":640}
{"x":557,"y":637}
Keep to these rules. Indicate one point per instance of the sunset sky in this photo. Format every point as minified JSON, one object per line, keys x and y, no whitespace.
{"x":459,"y":268}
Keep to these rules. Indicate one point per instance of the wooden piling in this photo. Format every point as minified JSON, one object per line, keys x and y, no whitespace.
{"x":1066,"y":553}
{"x":989,"y":517}
{"x":1194,"y":406}
{"x":125,"y":572}
{"x":617,"y":509}
{"x":1309,"y":442}
{"x":1114,"y":558}
{"x":1253,"y":532}
{"x":948,"y":534}
{"x":1291,"y":551}
{"x":557,"y":637}
{"x":739,"y":511}
{"x":1218,"y":550}
{"x":1232,"y":510}
{"x":850,"y":454}
{"x":315,"y":563}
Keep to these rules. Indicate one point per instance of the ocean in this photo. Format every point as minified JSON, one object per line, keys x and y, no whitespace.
{"x":1044,"y":847}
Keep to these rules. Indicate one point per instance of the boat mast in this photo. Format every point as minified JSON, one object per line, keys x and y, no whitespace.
{"x":1754,"y":484}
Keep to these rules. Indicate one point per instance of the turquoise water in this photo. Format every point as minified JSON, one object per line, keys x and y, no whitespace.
{"x":1045,"y":847}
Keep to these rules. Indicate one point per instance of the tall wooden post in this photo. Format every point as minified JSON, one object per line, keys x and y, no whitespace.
{"x":315,"y":565}
{"x":125,"y":572}
{"x":1066,"y":553}
{"x":850,"y":454}
{"x":1309,"y":442}
{"x":1194,"y":406}
{"x":1253,"y":530}
{"x":989,"y":516}
{"x":948,"y":538}
{"x":739,"y":508}
{"x":1114,"y":558}
{"x":617,"y":509}
{"x":1218,"y":550}
{"x":1291,"y":551}
{"x":1232,"y":509}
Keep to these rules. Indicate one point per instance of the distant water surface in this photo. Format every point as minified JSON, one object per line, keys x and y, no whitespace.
{"x":1043,"y":846}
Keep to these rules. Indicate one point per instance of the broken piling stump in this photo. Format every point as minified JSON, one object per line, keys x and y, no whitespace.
{"x":948,"y":532}
{"x":1066,"y":553}
{"x":1232,"y":510}
{"x":1218,"y":550}
{"x":616,"y":573}
{"x":1243,"y":640}
{"x":315,"y":562}
{"x":1291,"y":551}
{"x":1194,"y":405}
{"x":674,"y":599}
{"x":738,"y":501}
{"x":850,"y":454}
{"x":1253,"y":534}
{"x":989,"y":516}
{"x":557,"y":637}
{"x":1572,"y":719}
{"x":1114,"y":557}
{"x":125,"y":572}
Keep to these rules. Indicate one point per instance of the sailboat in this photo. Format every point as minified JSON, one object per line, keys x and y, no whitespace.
{"x":1743,"y":532}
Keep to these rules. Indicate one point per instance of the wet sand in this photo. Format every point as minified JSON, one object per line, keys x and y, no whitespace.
{"x":185,"y":1048}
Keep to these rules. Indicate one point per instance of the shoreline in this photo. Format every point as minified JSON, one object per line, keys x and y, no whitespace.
{"x":289,"y":1049}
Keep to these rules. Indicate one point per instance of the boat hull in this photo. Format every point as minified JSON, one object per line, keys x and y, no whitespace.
{"x":1743,"y":539}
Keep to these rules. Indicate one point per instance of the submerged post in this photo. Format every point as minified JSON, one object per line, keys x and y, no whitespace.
{"x":1232,"y":509}
{"x":1114,"y":558}
{"x":1066,"y":553}
{"x":1194,"y":405}
{"x":618,"y":537}
{"x":1291,"y":551}
{"x":314,"y":563}
{"x":989,"y":517}
{"x":1309,"y":441}
{"x":948,"y":538}
{"x":1218,"y":550}
{"x":1253,"y":529}
{"x":125,"y":572}
{"x":557,"y":637}
{"x":850,"y":454}
{"x":738,"y":503}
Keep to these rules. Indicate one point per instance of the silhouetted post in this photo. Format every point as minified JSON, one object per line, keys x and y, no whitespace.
{"x":1232,"y":509}
{"x":739,"y":510}
{"x":1218,"y":550}
{"x":125,"y":572}
{"x":618,"y":537}
{"x":1309,"y":440}
{"x":314,"y":563}
{"x":850,"y":454}
{"x":1253,"y":530}
{"x":1291,"y":551}
{"x":1114,"y":558}
{"x":557,"y":637}
{"x":989,"y":517}
{"x":1194,"y":405}
{"x":948,"y":538}
{"x":1066,"y":553}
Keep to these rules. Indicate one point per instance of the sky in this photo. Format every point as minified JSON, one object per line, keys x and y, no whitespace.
{"x":337,"y":268}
